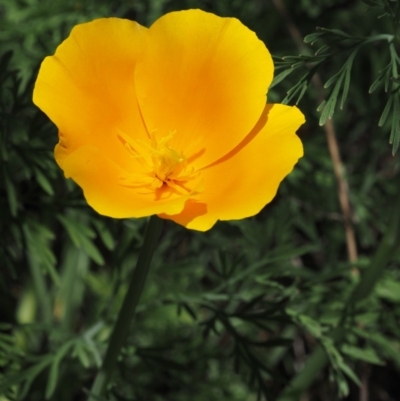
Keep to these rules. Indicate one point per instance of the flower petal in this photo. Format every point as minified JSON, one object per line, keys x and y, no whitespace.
{"x":240,"y":184}
{"x":205,"y":78}
{"x":102,"y":183}
{"x":87,"y":88}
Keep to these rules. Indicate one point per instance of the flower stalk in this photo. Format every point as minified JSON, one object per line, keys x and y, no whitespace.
{"x":127,"y":312}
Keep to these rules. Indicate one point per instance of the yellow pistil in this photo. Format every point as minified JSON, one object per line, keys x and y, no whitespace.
{"x":165,"y":167}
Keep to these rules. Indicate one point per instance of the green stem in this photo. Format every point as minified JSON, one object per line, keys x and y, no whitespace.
{"x":128,"y":308}
{"x":319,"y":359}
{"x":376,"y":38}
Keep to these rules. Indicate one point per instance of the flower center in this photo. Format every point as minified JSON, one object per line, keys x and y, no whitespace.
{"x":165,"y":168}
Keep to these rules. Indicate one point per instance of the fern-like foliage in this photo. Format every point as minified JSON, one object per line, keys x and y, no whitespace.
{"x":335,"y":43}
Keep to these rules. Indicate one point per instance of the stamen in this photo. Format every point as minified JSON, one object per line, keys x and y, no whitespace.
{"x":164,"y":167}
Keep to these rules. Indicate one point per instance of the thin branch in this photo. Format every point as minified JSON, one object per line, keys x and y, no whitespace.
{"x":364,"y":390}
{"x":343,"y":188}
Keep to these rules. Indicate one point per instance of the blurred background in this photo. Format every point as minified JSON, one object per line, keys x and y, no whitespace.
{"x":304,"y":296}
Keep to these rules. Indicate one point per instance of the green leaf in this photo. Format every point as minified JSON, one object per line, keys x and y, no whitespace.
{"x":215,"y":297}
{"x":346,"y":86}
{"x":302,"y":92}
{"x":368,"y":355}
{"x":349,"y":372}
{"x":336,"y":32}
{"x":322,"y":49}
{"x":281,"y":76}
{"x":312,"y":37}
{"x":321,"y":106}
{"x":332,"y":79}
{"x":385,"y":112}
{"x":388,"y":288}
{"x":76,"y":230}
{"x":81,"y":353}
{"x":329,"y":108}
{"x":346,"y":83}
{"x":293,"y":90}
{"x":388,"y":77}
{"x":91,"y":348}
{"x":54,"y":368}
{"x":81,"y":236}
{"x":37,"y":238}
{"x":389,"y":347}
{"x":309,"y":324}
{"x":334,"y":96}
{"x":104,"y":234}
{"x":92,"y":251}
{"x":290,"y":59}
{"x":342,"y":384}
{"x":11,"y":196}
{"x":377,"y":82}
{"x":30,"y":375}
{"x":43,"y":181}
{"x":339,"y":363}
{"x":396,"y":142}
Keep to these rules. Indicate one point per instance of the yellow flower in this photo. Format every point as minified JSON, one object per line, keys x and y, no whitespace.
{"x":169,"y":120}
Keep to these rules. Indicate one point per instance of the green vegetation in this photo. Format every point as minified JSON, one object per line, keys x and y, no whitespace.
{"x":299,"y":302}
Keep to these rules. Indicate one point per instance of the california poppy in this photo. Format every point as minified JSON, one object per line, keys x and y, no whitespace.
{"x":170,"y":120}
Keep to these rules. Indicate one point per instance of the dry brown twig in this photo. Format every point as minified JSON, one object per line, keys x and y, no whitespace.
{"x":343,"y":188}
